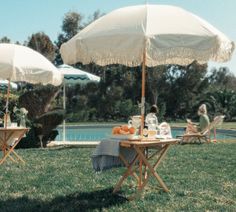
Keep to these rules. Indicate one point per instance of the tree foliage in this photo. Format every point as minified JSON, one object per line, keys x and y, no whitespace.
{"x":42,"y":43}
{"x":5,"y":39}
{"x":70,"y":26}
{"x":221,"y":102}
{"x":222,"y":79}
{"x":177,"y":90}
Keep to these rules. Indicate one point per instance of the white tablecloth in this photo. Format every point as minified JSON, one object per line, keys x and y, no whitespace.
{"x":106,"y":154}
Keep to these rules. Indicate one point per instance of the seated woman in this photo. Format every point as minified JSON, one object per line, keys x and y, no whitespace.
{"x":203,"y":121}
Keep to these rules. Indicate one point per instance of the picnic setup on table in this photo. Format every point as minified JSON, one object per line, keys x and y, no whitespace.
{"x":140,"y":154}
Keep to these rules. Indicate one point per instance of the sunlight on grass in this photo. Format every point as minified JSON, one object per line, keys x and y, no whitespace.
{"x":200,"y":177}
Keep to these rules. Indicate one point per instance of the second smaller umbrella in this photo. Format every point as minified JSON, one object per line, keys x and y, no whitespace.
{"x":74,"y":76}
{"x":4,"y":85}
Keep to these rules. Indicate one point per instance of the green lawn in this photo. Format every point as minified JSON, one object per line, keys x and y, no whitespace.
{"x":200,"y":177}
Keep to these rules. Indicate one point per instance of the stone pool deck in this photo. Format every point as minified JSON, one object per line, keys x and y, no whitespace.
{"x":74,"y":143}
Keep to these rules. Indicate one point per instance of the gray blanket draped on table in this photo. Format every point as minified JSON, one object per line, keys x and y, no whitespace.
{"x":106,"y":154}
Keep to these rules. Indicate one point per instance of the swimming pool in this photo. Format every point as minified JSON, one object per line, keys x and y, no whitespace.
{"x":97,"y":133}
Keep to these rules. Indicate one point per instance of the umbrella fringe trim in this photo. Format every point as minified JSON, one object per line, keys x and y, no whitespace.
{"x":169,"y":56}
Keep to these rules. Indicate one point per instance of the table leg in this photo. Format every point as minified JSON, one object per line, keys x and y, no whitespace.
{"x":127,"y":165}
{"x":159,"y":159}
{"x":145,"y":167}
{"x":126,"y":174}
{"x":12,"y":159}
{"x":8,"y":150}
{"x":151,"y":169}
{"x":162,"y":155}
{"x":140,"y":171}
{"x":17,"y":156}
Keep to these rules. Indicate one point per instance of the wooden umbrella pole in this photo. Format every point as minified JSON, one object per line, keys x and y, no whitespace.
{"x":143,"y":91}
{"x":142,"y":112}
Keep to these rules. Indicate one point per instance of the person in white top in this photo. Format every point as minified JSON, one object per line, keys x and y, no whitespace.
{"x":151,"y":120}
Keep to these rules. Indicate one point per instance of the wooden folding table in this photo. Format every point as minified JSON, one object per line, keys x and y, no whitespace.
{"x":142,"y":163}
{"x":9,"y":138}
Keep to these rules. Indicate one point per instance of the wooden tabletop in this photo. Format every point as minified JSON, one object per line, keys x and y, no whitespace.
{"x":145,"y":142}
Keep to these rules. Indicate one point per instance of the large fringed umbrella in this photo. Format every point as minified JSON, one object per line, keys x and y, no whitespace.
{"x":20,"y":63}
{"x":147,"y":35}
{"x":74,"y":76}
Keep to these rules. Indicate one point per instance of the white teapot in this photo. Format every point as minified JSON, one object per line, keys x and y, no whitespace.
{"x":135,"y":121}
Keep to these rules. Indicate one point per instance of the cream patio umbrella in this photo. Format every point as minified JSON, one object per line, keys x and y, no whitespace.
{"x":20,"y":63}
{"x":74,"y":76}
{"x":147,"y":35}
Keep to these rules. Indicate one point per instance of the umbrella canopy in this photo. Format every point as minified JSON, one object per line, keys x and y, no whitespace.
{"x":74,"y":76}
{"x":20,"y":63}
{"x":4,"y":84}
{"x":168,"y":35}
{"x":150,"y":35}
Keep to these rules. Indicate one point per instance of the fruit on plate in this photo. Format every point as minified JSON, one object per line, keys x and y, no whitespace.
{"x":123,"y":130}
{"x":115,"y":130}
{"x":131,"y":130}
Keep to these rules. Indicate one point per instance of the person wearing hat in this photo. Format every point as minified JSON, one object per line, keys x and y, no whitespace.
{"x":203,"y":121}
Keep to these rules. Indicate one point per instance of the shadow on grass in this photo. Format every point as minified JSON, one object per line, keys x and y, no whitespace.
{"x":79,"y":201}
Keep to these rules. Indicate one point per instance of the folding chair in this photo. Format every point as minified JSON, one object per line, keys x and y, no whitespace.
{"x":204,"y":135}
{"x":9,"y":138}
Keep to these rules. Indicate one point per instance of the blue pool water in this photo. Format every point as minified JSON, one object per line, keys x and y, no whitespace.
{"x":97,"y":133}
